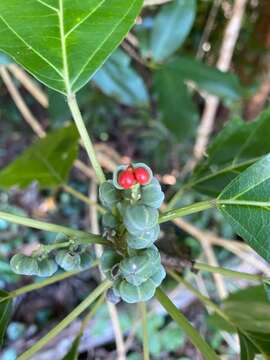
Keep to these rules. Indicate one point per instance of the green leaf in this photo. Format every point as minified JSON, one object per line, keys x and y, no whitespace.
{"x":179,"y":114}
{"x":48,"y":161}
{"x":117,"y":79}
{"x":245,"y":202}
{"x":225,"y":85}
{"x":247,"y":349}
{"x":63,"y":43}
{"x":190,"y":331}
{"x":171,"y":27}
{"x":73,"y":351}
{"x":5,"y":313}
{"x":249,"y":310}
{"x":236,"y":147}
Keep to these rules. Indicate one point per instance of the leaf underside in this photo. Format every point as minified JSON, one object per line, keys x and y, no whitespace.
{"x":64,"y":42}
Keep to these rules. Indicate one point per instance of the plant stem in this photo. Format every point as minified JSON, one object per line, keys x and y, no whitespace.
{"x":40,"y":225}
{"x":143,"y":311}
{"x":181,"y":320}
{"x":35,"y":286}
{"x":83,"y":198}
{"x":66,"y":321}
{"x":89,"y":147}
{"x":187,"y":210}
{"x":230,"y":273}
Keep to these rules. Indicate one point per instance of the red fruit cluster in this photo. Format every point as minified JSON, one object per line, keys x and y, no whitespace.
{"x":127,"y":178}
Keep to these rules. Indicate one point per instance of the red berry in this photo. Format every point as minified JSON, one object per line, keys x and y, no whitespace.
{"x":126,"y":179}
{"x":142,"y":175}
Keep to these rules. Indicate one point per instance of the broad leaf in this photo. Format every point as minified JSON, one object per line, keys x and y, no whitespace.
{"x":63,"y":43}
{"x":48,"y":161}
{"x":179,"y":114}
{"x":5,"y":313}
{"x":171,"y":27}
{"x":236,"y":147}
{"x":249,"y":311}
{"x":117,"y":79}
{"x":225,"y":85}
{"x":245,"y":202}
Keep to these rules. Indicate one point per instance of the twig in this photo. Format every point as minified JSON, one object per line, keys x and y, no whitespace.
{"x":30,"y":85}
{"x":120,"y":345}
{"x":211,"y":104}
{"x":208,"y":27}
{"x":20,"y":103}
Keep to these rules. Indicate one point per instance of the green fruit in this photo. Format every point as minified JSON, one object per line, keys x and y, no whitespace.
{"x":137,"y":269}
{"x":143,"y":239}
{"x":46,"y":267}
{"x":140,"y":218}
{"x":108,"y":194}
{"x":133,"y":294}
{"x":86,"y":259}
{"x":152,"y":195}
{"x":158,"y":276}
{"x":109,"y":221}
{"x":67,"y":260}
{"x":109,"y":263}
{"x":24,"y":265}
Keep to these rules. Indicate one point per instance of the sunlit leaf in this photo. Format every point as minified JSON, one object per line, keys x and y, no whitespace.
{"x":63,"y":43}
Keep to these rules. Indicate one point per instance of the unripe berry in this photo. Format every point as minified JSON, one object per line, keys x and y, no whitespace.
{"x":126,"y":179}
{"x":142,"y":175}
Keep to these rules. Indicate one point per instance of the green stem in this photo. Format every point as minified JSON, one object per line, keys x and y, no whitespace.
{"x":187,"y":210}
{"x":83,"y":198}
{"x":205,"y":300}
{"x":143,"y":311}
{"x":66,"y":321}
{"x":39,"y":285}
{"x":89,"y":147}
{"x":230,"y":273}
{"x":192,"y":333}
{"x":40,"y":225}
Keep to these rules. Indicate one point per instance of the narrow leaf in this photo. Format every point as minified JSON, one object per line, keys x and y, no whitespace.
{"x":247,"y":349}
{"x":48,"y":161}
{"x":191,"y":332}
{"x":67,"y":40}
{"x":171,"y":27}
{"x":5,"y":313}
{"x":245,"y":202}
{"x":73,"y":352}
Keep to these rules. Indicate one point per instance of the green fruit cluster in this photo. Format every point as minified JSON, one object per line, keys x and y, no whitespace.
{"x":131,"y":224}
{"x":45,"y":265}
